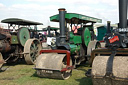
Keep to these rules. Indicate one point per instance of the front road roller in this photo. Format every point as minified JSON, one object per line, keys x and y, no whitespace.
{"x":54,"y":64}
{"x":109,"y":67}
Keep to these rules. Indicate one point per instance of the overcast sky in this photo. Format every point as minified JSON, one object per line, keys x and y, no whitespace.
{"x":41,"y":10}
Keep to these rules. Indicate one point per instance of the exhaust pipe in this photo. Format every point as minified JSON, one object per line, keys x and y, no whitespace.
{"x":62,"y":24}
{"x":122,"y":14}
{"x":49,"y":34}
{"x":108,"y":27}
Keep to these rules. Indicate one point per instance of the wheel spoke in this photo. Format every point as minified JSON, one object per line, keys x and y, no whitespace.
{"x":32,"y":56}
{"x":32,"y":46}
{"x":34,"y":51}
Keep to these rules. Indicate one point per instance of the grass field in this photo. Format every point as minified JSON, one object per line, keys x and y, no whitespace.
{"x":22,"y":74}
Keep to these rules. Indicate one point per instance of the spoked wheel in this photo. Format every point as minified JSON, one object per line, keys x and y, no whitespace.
{"x":1,"y":60}
{"x":31,"y":50}
{"x":66,"y":74}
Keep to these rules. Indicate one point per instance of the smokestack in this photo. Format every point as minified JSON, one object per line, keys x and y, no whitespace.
{"x":122,"y":13}
{"x":62,"y":24}
{"x":108,"y":27}
{"x":49,"y":34}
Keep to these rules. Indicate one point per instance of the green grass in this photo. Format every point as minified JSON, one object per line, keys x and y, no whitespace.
{"x":23,"y":74}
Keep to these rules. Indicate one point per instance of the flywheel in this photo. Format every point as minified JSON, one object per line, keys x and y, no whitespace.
{"x":86,"y":36}
{"x":23,"y":35}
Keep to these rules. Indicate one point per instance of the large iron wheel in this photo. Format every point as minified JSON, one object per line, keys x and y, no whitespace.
{"x":92,"y":46}
{"x":31,"y":50}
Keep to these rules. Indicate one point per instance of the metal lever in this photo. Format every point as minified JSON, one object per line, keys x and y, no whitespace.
{"x":110,"y":64}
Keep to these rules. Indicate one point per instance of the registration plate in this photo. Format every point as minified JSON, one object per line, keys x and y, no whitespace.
{"x":47,"y":71}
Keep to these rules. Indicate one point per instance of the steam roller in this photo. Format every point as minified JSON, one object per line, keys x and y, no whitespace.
{"x":71,"y":47}
{"x":18,"y":44}
{"x":110,"y":65}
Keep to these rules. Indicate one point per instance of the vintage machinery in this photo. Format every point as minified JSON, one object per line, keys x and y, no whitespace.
{"x":20,"y":42}
{"x":71,"y":47}
{"x":110,"y":65}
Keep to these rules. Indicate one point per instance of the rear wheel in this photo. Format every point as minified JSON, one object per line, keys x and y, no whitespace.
{"x":31,"y":50}
{"x":91,"y":46}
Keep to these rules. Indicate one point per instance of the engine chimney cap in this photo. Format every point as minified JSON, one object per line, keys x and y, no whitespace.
{"x":61,"y":9}
{"x":108,"y":21}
